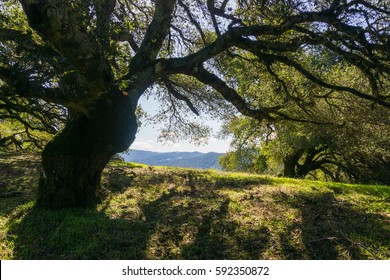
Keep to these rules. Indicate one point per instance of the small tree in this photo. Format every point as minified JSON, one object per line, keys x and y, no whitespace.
{"x":97,"y":58}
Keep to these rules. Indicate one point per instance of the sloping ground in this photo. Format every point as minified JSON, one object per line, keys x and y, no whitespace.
{"x":172,"y":213}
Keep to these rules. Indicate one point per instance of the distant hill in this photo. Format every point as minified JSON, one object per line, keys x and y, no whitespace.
{"x":179,"y":159}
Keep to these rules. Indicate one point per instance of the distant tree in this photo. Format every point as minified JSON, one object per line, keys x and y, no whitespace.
{"x":356,"y":150}
{"x":97,"y":58}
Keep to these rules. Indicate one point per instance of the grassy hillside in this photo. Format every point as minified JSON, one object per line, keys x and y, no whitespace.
{"x":172,"y":213}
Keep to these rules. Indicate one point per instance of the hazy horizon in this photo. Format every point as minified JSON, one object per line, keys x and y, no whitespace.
{"x":164,"y":152}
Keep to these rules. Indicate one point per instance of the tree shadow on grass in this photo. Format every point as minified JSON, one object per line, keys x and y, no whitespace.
{"x":117,"y":178}
{"x":172,"y":214}
{"x":176,"y":225}
{"x":79,"y":233}
{"x":333,"y":229}
{"x":19,"y":175}
{"x":219,"y":237}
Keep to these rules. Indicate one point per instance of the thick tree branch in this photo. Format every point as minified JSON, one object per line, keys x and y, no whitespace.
{"x":231,"y":95}
{"x":155,"y":34}
{"x":59,"y":23}
{"x":104,"y":9}
{"x":270,"y":51}
{"x":236,"y":36}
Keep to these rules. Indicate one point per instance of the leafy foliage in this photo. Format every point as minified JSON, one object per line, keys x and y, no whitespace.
{"x":331,"y":136}
{"x":284,"y":33}
{"x":356,"y":151}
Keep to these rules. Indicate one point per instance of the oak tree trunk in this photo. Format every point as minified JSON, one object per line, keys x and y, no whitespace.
{"x":72,"y":163}
{"x":290,"y":163}
{"x":289,"y":168}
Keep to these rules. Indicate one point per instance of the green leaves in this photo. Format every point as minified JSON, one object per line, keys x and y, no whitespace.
{"x":123,"y":85}
{"x":129,"y":25}
{"x":338,"y":137}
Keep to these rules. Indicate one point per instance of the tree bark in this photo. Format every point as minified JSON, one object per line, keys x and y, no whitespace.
{"x":290,"y":163}
{"x":289,"y":168}
{"x":73,"y":161}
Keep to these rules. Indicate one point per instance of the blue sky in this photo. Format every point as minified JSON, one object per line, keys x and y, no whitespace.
{"x":147,"y":137}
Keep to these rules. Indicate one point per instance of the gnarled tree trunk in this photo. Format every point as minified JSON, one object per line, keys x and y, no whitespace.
{"x":73,"y":161}
{"x":290,"y":163}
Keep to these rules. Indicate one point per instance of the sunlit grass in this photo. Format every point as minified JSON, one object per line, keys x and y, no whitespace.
{"x":175,"y":213}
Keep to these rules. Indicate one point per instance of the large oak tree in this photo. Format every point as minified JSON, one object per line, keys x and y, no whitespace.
{"x":97,"y":58}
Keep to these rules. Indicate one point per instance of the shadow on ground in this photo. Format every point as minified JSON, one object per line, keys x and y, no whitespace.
{"x":163,"y":232}
{"x":19,"y":174}
{"x":334,"y":229}
{"x":175,"y":214}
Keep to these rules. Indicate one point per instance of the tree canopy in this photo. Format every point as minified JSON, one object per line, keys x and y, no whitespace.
{"x":92,"y":61}
{"x":347,"y":139}
{"x":356,"y":152}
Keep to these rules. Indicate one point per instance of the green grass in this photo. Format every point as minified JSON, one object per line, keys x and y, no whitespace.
{"x":176,"y":213}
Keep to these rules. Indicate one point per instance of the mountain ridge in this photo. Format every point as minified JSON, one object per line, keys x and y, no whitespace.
{"x":180,"y":159}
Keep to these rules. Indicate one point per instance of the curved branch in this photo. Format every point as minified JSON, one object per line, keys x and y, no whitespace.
{"x":192,"y":20}
{"x":155,"y":35}
{"x":168,"y":84}
{"x":59,"y":23}
{"x":231,"y":95}
{"x":236,"y":36}
{"x":285,"y":60}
